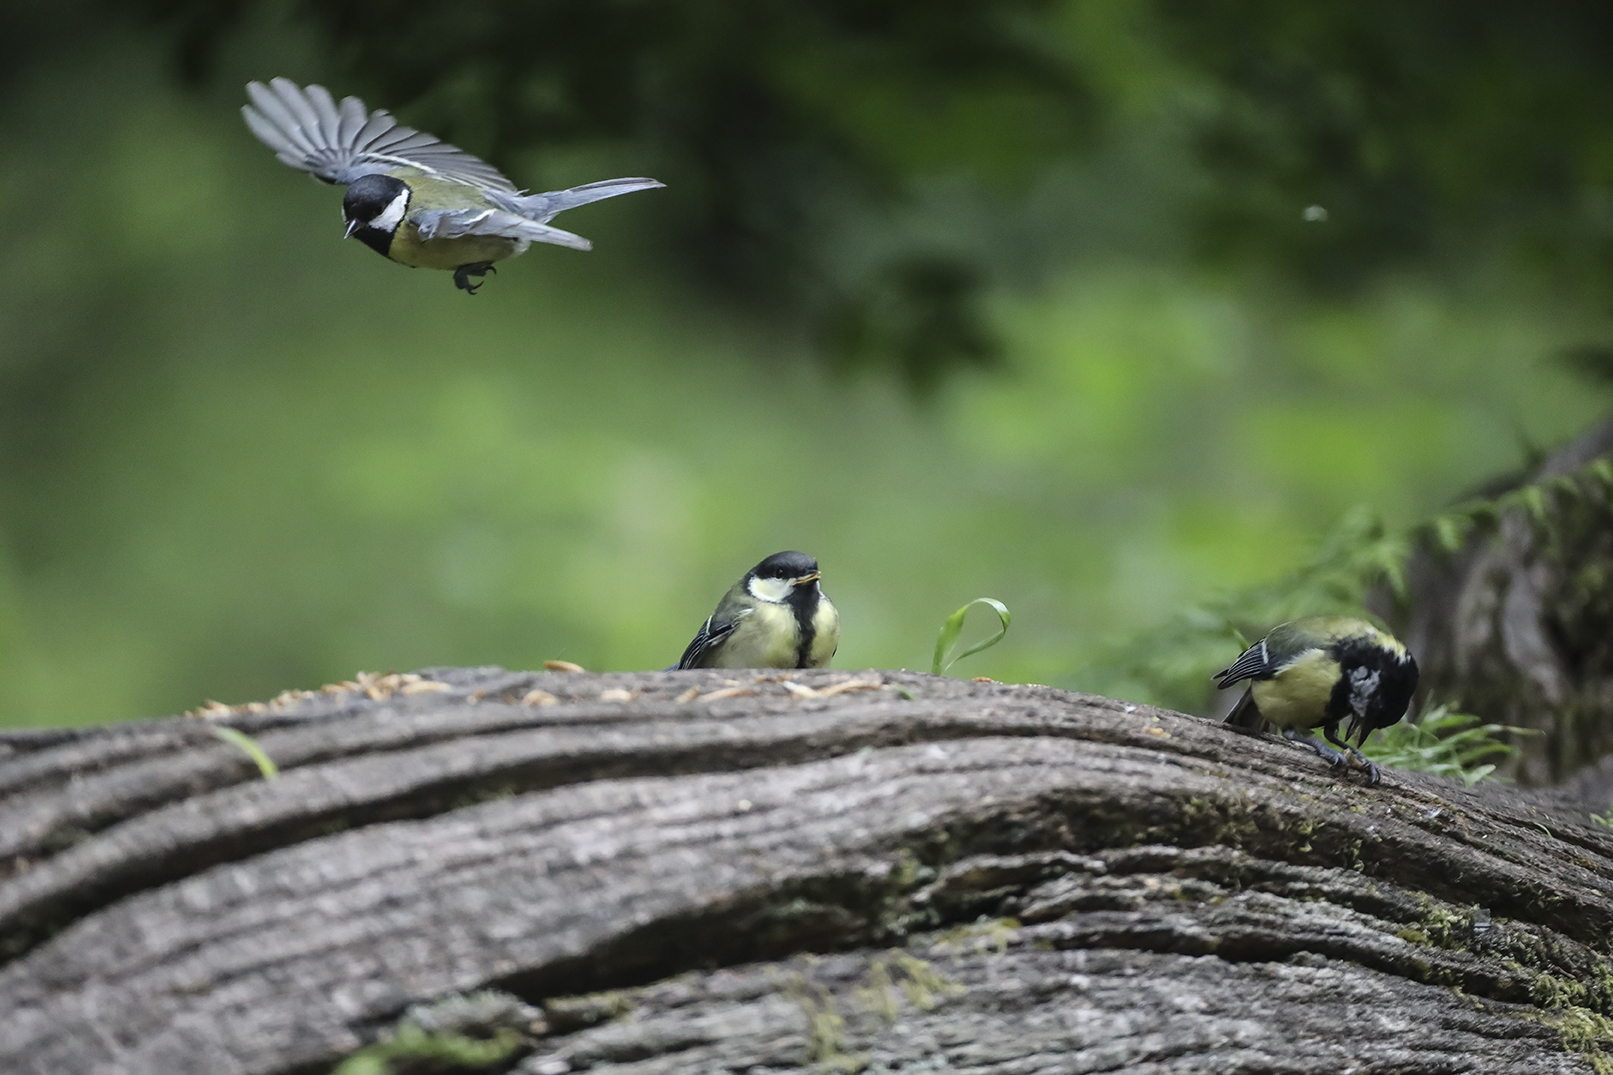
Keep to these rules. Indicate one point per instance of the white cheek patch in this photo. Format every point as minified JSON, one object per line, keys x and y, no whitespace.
{"x":1363,"y":685}
{"x":392,"y":215}
{"x":774,"y":590}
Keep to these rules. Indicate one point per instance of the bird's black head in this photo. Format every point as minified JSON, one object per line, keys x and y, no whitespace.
{"x":786,"y":565}
{"x":784,"y":576}
{"x":1375,"y":685}
{"x":373,"y":207}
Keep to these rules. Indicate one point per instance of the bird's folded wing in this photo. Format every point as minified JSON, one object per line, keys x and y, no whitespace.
{"x":309,"y":131}
{"x":709,"y":636}
{"x":1254,"y":663}
{"x":453,"y":223}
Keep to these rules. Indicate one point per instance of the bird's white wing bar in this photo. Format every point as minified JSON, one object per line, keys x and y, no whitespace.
{"x":309,"y":131}
{"x":453,"y":223}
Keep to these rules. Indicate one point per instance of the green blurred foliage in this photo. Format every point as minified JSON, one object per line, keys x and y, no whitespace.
{"x":1430,"y":132}
{"x":238,"y":454}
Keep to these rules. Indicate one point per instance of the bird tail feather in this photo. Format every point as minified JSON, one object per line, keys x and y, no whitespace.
{"x":1246,"y":714}
{"x":546,"y":206}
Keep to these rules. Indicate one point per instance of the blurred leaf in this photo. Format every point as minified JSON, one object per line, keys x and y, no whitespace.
{"x":1592,"y":360}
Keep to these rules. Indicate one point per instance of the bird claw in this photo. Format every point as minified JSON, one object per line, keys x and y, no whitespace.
{"x":1360,"y":761}
{"x":477,"y":269}
{"x":1353,"y":759}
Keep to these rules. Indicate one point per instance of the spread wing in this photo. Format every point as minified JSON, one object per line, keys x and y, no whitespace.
{"x":309,"y":131}
{"x":708,"y":638}
{"x":453,"y":223}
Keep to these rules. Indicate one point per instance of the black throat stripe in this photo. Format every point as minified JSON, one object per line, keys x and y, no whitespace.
{"x":377,"y":240}
{"x":804,"y":603}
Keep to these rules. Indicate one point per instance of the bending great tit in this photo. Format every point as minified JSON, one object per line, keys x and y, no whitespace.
{"x":410,"y":197}
{"x":776,"y":616}
{"x":1319,"y":671}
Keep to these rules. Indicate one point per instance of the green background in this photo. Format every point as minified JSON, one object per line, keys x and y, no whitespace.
{"x":238,"y":454}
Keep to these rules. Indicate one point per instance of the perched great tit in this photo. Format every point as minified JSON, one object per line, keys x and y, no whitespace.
{"x":1319,"y":671}
{"x":776,"y":616}
{"x":411,"y":197}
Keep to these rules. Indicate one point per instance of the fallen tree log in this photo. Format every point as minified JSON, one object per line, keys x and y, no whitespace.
{"x":681,"y":872}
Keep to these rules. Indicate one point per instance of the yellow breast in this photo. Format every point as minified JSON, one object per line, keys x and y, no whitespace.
{"x":1297,"y":696}
{"x":826,"y":634}
{"x":409,"y":249}
{"x":766,"y":638}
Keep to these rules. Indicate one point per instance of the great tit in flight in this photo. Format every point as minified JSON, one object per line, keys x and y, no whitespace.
{"x":776,"y":616}
{"x":411,"y":197}
{"x":1317,"y":672}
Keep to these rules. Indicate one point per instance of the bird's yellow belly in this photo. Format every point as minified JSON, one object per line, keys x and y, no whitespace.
{"x":767,"y":639}
{"x":1297,"y":696}
{"x":409,"y":249}
{"x":825,"y":634}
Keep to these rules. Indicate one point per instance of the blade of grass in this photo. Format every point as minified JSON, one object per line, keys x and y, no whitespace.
{"x":953,"y":627}
{"x":249,"y":745}
{"x":1446,"y":742}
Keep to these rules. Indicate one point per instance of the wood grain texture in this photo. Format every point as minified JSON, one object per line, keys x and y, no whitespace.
{"x":916,"y":871}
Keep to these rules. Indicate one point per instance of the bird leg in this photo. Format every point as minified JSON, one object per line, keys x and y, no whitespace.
{"x":1331,"y":730}
{"x":477,"y":269}
{"x":1323,"y":751}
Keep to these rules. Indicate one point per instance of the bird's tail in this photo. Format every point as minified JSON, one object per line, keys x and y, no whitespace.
{"x":545,"y":207}
{"x":1245,"y":714}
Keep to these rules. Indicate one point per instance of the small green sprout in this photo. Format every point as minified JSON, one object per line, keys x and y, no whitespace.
{"x":249,"y":745}
{"x":954,"y":627}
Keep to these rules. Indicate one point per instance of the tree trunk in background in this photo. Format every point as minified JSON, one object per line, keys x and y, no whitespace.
{"x":1518,"y":626}
{"x":876,"y":871}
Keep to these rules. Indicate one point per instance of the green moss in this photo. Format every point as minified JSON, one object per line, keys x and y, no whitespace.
{"x":879,"y":995}
{"x":985,"y":935}
{"x":825,"y":1028}
{"x":1230,"y":823}
{"x":1444,"y":926}
{"x":1303,"y":830}
{"x":474,"y":1031}
{"x":924,"y":986}
{"x":590,"y":1009}
{"x":1586,"y":1033}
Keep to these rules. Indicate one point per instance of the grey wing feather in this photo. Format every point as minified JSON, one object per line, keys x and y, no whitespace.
{"x":1254,"y":663}
{"x":308,"y":130}
{"x":708,"y":638}
{"x":545,"y":207}
{"x":453,"y":223}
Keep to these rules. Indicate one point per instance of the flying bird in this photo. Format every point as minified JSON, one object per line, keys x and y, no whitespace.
{"x":410,"y":196}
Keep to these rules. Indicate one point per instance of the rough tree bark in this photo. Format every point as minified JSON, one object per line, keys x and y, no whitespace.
{"x":870,"y":871}
{"x":1518,"y":626}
